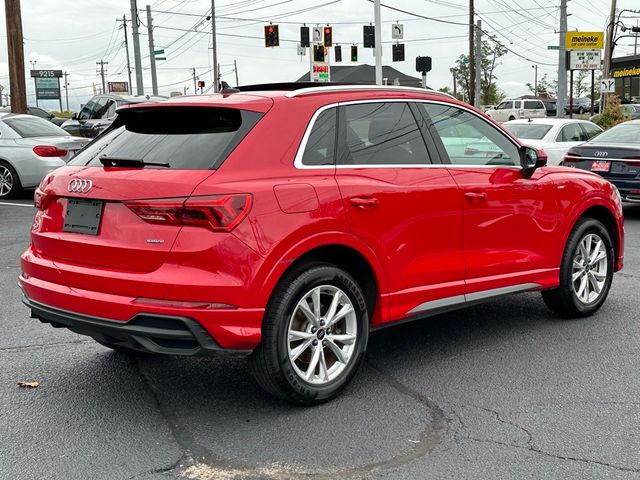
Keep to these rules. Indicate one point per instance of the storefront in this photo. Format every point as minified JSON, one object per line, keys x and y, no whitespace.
{"x":626,"y":71}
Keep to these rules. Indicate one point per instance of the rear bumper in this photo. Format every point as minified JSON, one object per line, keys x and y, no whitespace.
{"x":148,"y":333}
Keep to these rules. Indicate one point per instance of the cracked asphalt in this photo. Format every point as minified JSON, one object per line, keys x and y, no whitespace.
{"x":502,"y":390}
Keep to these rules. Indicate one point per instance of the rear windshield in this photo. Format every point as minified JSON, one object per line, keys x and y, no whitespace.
{"x":529,"y":131}
{"x":192,"y":138}
{"x":532,"y":105}
{"x":624,"y":133}
{"x":31,"y":126}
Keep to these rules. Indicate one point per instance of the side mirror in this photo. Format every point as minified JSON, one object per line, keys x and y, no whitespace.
{"x":532,"y":159}
{"x":74,"y":116}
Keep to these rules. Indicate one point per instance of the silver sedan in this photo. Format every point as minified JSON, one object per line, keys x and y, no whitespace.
{"x":30,"y":148}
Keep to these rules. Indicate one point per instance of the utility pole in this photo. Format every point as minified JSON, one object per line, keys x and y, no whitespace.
{"x":126,"y":48}
{"x":455,"y":90}
{"x":562,"y":61}
{"x":635,"y":44}
{"x":378,"y":40}
{"x":152,"y":55}
{"x":136,"y":48}
{"x":478,"y":59}
{"x":195,"y":82}
{"x":15,"y":56}
{"x":472,"y":63}
{"x":102,"y":63}
{"x":535,"y":80}
{"x":235,"y":68}
{"x":214,"y":45}
{"x":66,"y":89}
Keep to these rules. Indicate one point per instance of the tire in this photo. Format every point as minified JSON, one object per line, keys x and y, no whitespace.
{"x":313,"y":342}
{"x":9,"y":181}
{"x":580,"y":111}
{"x":583,"y":297}
{"x":512,"y":118}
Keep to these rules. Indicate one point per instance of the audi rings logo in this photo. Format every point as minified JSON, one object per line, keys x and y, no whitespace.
{"x":80,"y":185}
{"x":601,"y":154}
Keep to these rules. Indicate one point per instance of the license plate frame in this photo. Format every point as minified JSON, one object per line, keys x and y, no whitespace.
{"x":601,"y":166}
{"x":83,"y":216}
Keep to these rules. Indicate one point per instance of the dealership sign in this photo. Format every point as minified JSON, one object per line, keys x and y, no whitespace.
{"x":584,"y":40}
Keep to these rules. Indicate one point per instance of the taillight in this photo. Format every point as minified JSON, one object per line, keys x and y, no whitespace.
{"x":218,"y":213}
{"x":49,"y":151}
{"x":571,"y":159}
{"x":40,"y":198}
{"x":634,"y":163}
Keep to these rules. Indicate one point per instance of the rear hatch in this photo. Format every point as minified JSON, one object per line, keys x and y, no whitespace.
{"x":119,"y":203}
{"x":609,"y":160}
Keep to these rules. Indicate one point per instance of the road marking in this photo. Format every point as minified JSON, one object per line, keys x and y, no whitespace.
{"x":17,"y":204}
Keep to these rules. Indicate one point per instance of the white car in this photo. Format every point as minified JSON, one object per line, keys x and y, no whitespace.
{"x":554,"y":135}
{"x":520,"y":108}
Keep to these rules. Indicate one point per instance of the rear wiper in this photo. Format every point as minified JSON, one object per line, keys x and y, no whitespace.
{"x":129,"y":162}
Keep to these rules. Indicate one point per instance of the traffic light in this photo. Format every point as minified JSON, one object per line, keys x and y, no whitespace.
{"x":328,"y":36}
{"x":304,"y":37}
{"x":398,"y":52}
{"x":354,"y":53}
{"x":338,"y":53}
{"x":369,"y":36}
{"x":318,"y":53}
{"x":271,"y":36}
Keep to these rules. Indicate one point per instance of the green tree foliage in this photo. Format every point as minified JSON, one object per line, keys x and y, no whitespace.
{"x":545,"y":86}
{"x":492,"y":51}
{"x":612,"y":113}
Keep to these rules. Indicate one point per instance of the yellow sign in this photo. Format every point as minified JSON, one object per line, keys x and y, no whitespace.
{"x":626,"y":72}
{"x":584,"y":40}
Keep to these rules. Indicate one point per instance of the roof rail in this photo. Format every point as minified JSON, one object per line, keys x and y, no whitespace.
{"x":352,"y":88}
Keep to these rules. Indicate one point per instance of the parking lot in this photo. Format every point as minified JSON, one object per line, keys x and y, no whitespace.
{"x":502,"y":391}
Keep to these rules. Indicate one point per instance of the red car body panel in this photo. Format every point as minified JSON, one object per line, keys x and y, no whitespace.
{"x":425,"y":239}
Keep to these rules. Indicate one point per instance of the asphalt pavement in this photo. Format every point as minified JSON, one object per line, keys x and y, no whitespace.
{"x":503,"y":390}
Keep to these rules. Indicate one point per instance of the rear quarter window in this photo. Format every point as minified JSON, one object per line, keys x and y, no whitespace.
{"x":533,"y":105}
{"x":191,"y":138}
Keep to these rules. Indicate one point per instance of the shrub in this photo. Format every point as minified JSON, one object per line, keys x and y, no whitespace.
{"x":612,"y":113}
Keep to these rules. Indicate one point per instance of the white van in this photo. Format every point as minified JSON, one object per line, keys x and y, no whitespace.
{"x":515,"y":109}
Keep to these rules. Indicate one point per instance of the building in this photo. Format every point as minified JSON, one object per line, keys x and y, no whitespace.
{"x":367,"y":74}
{"x":626,"y":72}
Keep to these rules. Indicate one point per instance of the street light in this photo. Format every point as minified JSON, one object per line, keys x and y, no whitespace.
{"x":33,"y":64}
{"x":535,"y":84}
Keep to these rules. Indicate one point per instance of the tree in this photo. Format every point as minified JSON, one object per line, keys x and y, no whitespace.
{"x":492,"y":51}
{"x":545,"y":86}
{"x":612,"y":113}
{"x":448,"y":91}
{"x":579,"y":86}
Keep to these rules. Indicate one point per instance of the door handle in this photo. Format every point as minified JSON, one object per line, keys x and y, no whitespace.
{"x":475,"y":196}
{"x":364,"y":203}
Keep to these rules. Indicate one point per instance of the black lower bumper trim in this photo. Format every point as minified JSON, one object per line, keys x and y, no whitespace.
{"x":150,"y":333}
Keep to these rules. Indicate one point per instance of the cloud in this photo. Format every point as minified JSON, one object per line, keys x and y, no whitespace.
{"x":514,"y":89}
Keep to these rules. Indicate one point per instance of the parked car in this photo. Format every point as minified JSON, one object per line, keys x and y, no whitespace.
{"x":614,"y":155}
{"x":553,"y":135}
{"x":30,"y":148}
{"x":580,"y":105}
{"x":190,"y":227}
{"x":99,"y":113}
{"x":38,"y":112}
{"x":484,"y":108}
{"x":550,"y":107}
{"x":514,"y":109}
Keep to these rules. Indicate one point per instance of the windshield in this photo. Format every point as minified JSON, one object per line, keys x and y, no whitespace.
{"x":28,"y":127}
{"x":529,"y":131}
{"x":187,"y":138}
{"x":624,"y":133}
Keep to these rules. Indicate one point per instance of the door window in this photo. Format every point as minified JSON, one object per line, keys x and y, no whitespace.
{"x":320,"y":147}
{"x":470,"y":140}
{"x":87,"y":110}
{"x":101,"y":109}
{"x":570,"y":133}
{"x":381,"y":134}
{"x":589,"y":131}
{"x":505,"y":106}
{"x":533,"y":105}
{"x":111,"y":109}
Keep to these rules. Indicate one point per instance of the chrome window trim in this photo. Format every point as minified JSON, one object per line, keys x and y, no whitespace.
{"x":297,"y":163}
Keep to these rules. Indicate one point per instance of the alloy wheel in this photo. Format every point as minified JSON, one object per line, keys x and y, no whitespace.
{"x":6,"y":181}
{"x":590,"y":268}
{"x":322,"y":334}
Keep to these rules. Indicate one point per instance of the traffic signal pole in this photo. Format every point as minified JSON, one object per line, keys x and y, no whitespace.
{"x":378,"y":41}
{"x":152,"y":55}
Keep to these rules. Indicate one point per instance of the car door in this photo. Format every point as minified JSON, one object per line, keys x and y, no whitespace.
{"x":509,"y":220}
{"x":402,"y":202}
{"x":501,"y":113}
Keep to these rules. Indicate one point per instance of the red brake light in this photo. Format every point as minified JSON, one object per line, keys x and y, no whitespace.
{"x":218,"y":213}
{"x":40,"y":198}
{"x":571,"y":159}
{"x":49,"y":151}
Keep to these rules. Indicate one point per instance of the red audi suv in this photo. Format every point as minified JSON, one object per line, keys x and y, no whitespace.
{"x":288,"y":224}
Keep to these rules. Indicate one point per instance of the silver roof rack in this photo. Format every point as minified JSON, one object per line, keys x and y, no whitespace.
{"x":355,"y":88}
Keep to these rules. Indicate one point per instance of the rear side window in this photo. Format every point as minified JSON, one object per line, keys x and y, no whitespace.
{"x":381,"y":134}
{"x":571,"y":133}
{"x":28,"y":127}
{"x":192,"y":138}
{"x":321,"y":145}
{"x":533,"y":105}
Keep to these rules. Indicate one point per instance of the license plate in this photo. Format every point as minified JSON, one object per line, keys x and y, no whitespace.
{"x":82,"y":216}
{"x":600,"y":166}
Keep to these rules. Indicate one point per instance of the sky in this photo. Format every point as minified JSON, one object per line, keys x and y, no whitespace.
{"x":72,"y":35}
